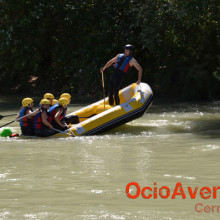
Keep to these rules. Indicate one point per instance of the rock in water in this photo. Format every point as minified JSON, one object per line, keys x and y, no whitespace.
{"x":6,"y":132}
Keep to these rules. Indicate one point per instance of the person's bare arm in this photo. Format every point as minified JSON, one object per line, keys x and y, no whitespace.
{"x":44,"y":120}
{"x":27,"y":113}
{"x":109,"y":63}
{"x":56,"y":117}
{"x":134,"y":63}
{"x":32,"y":113}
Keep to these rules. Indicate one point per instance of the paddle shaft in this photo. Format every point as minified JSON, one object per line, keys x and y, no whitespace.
{"x":17,"y":119}
{"x":103,"y":86}
{"x":61,"y":132}
{"x":70,"y":131}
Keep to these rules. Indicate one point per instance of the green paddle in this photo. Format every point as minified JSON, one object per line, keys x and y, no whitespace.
{"x":6,"y":132}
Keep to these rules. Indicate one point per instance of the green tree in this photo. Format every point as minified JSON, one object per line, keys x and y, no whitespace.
{"x":64,"y":43}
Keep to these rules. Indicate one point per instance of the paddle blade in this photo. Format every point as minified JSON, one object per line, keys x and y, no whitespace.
{"x":2,"y":116}
{"x":14,"y":135}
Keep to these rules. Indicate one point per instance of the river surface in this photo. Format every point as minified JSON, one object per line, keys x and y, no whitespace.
{"x":86,"y":177}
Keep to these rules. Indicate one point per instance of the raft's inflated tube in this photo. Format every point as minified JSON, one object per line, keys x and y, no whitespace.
{"x":97,"y":118}
{"x":102,"y":108}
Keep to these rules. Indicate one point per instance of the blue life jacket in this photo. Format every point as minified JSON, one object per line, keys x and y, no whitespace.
{"x":25,"y":122}
{"x":123,"y":62}
{"x":52,"y":112}
{"x":53,"y":107}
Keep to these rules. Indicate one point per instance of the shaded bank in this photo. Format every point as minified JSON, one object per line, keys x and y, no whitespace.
{"x":60,"y":45}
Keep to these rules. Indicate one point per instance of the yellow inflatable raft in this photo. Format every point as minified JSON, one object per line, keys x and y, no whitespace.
{"x":100,"y":117}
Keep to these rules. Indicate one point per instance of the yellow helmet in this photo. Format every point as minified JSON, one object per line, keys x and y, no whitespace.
{"x":65,"y":95}
{"x":27,"y":101}
{"x":63,"y":101}
{"x":45,"y":102}
{"x":54,"y":101}
{"x":48,"y":96}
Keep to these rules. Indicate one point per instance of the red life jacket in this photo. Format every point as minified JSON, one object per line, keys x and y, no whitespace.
{"x":52,"y":113}
{"x":38,"y":120}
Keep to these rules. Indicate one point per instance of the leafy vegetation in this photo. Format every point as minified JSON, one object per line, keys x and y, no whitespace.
{"x":59,"y":46}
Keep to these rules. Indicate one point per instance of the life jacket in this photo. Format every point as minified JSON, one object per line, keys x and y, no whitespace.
{"x":25,"y":122}
{"x":123,"y":62}
{"x":38,"y":120}
{"x":52,"y":112}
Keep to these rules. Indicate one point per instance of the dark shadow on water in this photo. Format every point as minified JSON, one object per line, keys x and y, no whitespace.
{"x":207,"y":129}
{"x":131,"y":129}
{"x":203,"y":128}
{"x":158,"y":106}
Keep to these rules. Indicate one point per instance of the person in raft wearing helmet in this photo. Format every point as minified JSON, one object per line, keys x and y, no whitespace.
{"x":57,"y":113}
{"x":42,"y":128}
{"x":122,"y":63}
{"x":70,"y":119}
{"x":54,"y":101}
{"x":68,"y":97}
{"x":49,"y":96}
{"x":26,"y":123}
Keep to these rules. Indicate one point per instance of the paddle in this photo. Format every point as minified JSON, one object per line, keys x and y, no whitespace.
{"x":70,"y":130}
{"x":103,"y":86}
{"x":62,"y":132}
{"x":17,"y":119}
{"x":2,"y":116}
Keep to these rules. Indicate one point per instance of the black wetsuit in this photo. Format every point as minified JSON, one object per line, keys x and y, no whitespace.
{"x":114,"y":86}
{"x":41,"y":130}
{"x":28,"y":131}
{"x":121,"y":67}
{"x":45,"y":131}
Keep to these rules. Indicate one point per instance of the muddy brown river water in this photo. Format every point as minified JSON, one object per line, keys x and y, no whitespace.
{"x":86,"y":177}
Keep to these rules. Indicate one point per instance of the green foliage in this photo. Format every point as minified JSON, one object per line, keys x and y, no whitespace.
{"x":64,"y":43}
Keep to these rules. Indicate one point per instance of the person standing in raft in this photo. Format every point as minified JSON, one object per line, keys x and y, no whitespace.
{"x":26,"y":123}
{"x":122,"y":63}
{"x":42,"y":128}
{"x":57,"y":114}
